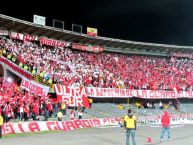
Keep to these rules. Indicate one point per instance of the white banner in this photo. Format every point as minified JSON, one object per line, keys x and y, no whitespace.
{"x":4,"y":32}
{"x":23,"y":37}
{"x":68,"y":63}
{"x":23,"y":127}
{"x":40,"y":20}
{"x":121,"y":93}
{"x":34,"y":87}
{"x":178,"y":54}
{"x":175,"y":119}
{"x":126,"y":93}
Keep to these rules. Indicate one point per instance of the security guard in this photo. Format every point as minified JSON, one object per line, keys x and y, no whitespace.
{"x":1,"y":124}
{"x":129,"y":122}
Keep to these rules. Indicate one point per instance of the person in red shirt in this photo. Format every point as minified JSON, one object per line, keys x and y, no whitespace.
{"x":165,"y":121}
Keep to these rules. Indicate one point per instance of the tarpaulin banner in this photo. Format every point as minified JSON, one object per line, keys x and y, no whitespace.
{"x":178,"y":54}
{"x":52,"y":42}
{"x":34,"y":87}
{"x":42,"y":40}
{"x":90,"y":48}
{"x":24,"y":37}
{"x":72,"y":96}
{"x":120,"y":93}
{"x":175,"y":119}
{"x":127,"y":93}
{"x":24,"y":127}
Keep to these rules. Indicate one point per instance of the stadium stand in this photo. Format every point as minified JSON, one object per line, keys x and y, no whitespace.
{"x":50,"y":65}
{"x":75,"y":68}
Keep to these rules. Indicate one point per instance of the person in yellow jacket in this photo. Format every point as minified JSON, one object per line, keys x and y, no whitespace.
{"x":59,"y":115}
{"x":130,"y":125}
{"x":1,"y":124}
{"x":63,"y":108}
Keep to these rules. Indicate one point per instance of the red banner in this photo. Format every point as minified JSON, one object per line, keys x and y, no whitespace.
{"x":178,"y":54}
{"x":16,"y":68}
{"x":96,"y":49}
{"x":72,"y":96}
{"x":51,"y":42}
{"x":23,"y":37}
{"x":34,"y":87}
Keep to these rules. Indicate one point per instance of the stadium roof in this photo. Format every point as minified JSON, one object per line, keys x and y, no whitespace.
{"x":21,"y":26}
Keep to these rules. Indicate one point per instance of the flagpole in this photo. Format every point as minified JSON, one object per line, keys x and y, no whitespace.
{"x":179,"y":103}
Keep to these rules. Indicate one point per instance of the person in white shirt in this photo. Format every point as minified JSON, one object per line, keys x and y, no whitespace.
{"x":80,"y":114}
{"x":21,"y":111}
{"x":160,"y":105}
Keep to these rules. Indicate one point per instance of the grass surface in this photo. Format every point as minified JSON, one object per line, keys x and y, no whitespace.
{"x":36,"y":133}
{"x":29,"y":134}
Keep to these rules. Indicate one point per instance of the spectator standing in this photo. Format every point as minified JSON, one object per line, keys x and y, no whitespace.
{"x":63,"y":108}
{"x":130,"y":125}
{"x":153,"y":105}
{"x":1,"y":124}
{"x":21,"y":111}
{"x":46,"y":114}
{"x":160,"y":105}
{"x":165,"y":120}
{"x":72,"y":114}
{"x":80,"y":114}
{"x":50,"y":108}
{"x":26,"y":113}
{"x":59,"y":115}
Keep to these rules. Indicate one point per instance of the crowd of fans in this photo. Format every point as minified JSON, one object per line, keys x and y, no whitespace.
{"x":18,"y":104}
{"x":78,"y":68}
{"x":107,"y":70}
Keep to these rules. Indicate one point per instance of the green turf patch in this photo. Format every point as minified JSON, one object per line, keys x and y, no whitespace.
{"x":30,"y":134}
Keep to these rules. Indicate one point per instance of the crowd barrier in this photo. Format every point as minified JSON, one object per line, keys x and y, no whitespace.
{"x":16,"y":68}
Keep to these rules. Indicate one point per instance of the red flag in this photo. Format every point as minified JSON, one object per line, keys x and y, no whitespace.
{"x":85,"y":102}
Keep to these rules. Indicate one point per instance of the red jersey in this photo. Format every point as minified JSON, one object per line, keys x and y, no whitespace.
{"x":165,"y":120}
